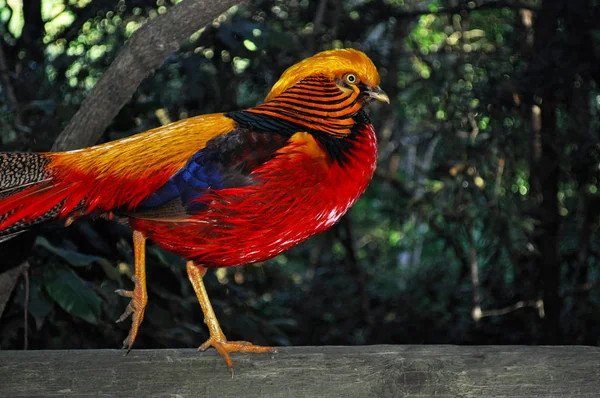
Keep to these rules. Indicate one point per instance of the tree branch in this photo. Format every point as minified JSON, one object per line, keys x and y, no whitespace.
{"x":476,"y":313}
{"x":356,"y":268}
{"x":317,"y":24}
{"x":26,"y":306}
{"x":147,"y":49}
{"x":537,"y":304}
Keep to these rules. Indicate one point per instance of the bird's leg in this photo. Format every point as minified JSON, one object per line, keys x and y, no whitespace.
{"x":217,"y":338}
{"x":139,"y":296}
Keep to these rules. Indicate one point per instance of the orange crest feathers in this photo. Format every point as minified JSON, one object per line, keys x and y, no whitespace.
{"x":330,"y":63}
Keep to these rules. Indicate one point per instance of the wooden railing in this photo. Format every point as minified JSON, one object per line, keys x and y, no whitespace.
{"x":366,"y":371}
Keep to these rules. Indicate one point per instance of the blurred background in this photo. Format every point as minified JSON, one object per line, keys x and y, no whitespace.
{"x":480,"y":226}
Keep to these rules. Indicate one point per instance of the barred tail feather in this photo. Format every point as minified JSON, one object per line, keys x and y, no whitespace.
{"x":119,"y":175}
{"x":27,"y":193}
{"x":20,"y":170}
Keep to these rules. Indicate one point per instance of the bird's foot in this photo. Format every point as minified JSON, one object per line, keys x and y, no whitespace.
{"x":224,"y":347}
{"x":136,"y":306}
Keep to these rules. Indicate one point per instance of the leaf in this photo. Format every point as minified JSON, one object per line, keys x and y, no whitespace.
{"x":8,"y":281}
{"x":73,"y":257}
{"x":40,"y":304}
{"x":112,"y":272}
{"x":72,"y":294}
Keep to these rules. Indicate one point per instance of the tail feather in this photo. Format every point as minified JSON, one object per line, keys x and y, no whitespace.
{"x":20,"y":170}
{"x":26,"y":195}
{"x":117,"y":176}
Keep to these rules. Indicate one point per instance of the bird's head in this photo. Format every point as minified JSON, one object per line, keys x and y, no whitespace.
{"x":325,"y":93}
{"x":351,"y":70}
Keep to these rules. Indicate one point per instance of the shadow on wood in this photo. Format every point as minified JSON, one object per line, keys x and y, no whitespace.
{"x":367,"y":371}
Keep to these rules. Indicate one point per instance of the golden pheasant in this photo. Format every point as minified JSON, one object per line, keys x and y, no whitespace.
{"x":222,"y":189}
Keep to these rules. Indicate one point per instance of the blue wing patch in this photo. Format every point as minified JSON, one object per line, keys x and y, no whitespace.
{"x":226,"y":161}
{"x":201,"y":172}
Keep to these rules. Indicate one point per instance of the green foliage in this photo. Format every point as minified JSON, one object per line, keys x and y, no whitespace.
{"x":456,"y":178}
{"x":71,"y":293}
{"x":72,"y":256}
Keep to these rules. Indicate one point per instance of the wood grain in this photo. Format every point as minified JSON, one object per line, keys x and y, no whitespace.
{"x":367,"y":371}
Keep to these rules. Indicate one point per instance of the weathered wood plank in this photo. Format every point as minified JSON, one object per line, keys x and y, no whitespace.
{"x":368,"y":371}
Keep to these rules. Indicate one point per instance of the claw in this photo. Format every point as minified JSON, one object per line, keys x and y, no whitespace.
{"x":138,"y":295}
{"x":135,"y":308}
{"x":217,"y":338}
{"x":124,"y":293}
{"x":225,"y":347}
{"x":128,"y":311}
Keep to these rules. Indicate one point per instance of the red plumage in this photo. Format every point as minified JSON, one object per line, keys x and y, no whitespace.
{"x":301,"y":196}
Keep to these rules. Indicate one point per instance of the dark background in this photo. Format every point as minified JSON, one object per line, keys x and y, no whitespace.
{"x":480,"y":226}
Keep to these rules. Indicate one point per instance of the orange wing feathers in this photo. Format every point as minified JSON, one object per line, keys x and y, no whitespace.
{"x":118,"y":174}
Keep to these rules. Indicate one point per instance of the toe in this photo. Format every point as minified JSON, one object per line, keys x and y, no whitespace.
{"x":124,"y":293}
{"x":128,"y":311}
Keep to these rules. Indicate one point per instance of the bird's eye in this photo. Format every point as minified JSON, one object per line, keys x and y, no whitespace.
{"x":350,"y":78}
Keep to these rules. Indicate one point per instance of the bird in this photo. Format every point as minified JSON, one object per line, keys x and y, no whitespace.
{"x":220,"y":190}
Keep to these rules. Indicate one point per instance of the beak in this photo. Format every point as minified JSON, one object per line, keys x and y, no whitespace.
{"x":378,"y":94}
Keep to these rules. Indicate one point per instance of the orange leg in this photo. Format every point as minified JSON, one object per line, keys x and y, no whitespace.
{"x":139,"y":296}
{"x":217,"y":338}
